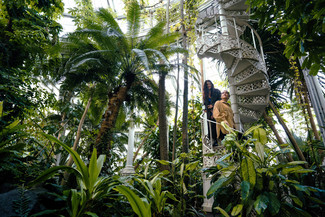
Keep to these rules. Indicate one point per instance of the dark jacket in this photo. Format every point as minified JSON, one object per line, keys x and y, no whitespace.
{"x":215,"y":96}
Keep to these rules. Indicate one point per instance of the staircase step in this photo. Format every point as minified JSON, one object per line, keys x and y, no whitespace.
{"x":260,"y":87}
{"x":256,"y":103}
{"x":247,"y":115}
{"x":249,"y":75}
{"x":238,"y":5}
{"x":240,"y":26}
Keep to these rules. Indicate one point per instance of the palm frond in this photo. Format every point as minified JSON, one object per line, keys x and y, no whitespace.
{"x":133,"y":21}
{"x":162,"y":57}
{"x":143,"y":57}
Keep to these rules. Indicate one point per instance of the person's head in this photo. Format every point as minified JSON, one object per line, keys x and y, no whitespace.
{"x":208,"y":86}
{"x":225,"y":95}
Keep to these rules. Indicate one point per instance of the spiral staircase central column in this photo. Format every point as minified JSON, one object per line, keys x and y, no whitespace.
{"x":234,"y":102}
{"x":223,"y":20}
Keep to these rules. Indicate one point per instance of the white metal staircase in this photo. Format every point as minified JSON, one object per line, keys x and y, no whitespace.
{"x":220,"y":29}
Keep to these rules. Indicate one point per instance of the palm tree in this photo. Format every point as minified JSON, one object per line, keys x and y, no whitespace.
{"x":131,"y":55}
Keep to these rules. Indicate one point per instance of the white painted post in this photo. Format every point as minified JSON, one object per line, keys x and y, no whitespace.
{"x":129,"y":169}
{"x":207,"y":203}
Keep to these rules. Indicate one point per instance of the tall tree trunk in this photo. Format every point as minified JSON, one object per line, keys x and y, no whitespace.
{"x":76,"y":141}
{"x":289,"y":134}
{"x":176,"y":110}
{"x":185,"y":147}
{"x":104,"y":137}
{"x":58,"y":155}
{"x":163,"y":128}
{"x":269,"y":121}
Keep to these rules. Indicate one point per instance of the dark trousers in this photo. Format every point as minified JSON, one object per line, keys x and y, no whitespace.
{"x":212,"y":131}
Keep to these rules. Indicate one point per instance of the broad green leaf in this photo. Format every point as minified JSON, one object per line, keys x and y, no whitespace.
{"x":163,"y":162}
{"x":140,"y":207}
{"x":248,"y":171}
{"x":260,"y":150}
{"x":91,"y":214}
{"x":95,"y":166}
{"x":191,"y":166}
{"x":302,"y":188}
{"x":245,"y":187}
{"x":261,"y":203}
{"x":274,"y":204}
{"x":215,"y":186}
{"x":171,"y":196}
{"x":1,"y":109}
{"x":296,"y":200}
{"x":296,"y":162}
{"x":314,"y":69}
{"x":260,"y":135}
{"x":237,"y":209}
{"x":252,"y":129}
{"x":81,"y":166}
{"x":223,"y":212}
{"x":51,"y":172}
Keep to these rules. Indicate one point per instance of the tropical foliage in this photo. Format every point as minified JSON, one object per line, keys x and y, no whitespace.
{"x":66,"y":105}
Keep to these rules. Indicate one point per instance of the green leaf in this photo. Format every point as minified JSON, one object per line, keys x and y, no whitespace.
{"x":215,"y":186}
{"x":314,"y":69}
{"x":245,"y":187}
{"x":260,"y":135}
{"x":1,"y":109}
{"x":252,"y":129}
{"x":248,"y":171}
{"x":191,"y":166}
{"x":81,"y":166}
{"x":261,"y":203}
{"x":91,"y":214}
{"x":274,"y":204}
{"x":296,"y":162}
{"x":260,"y":150}
{"x":140,"y":207}
{"x":51,"y":172}
{"x":163,"y":162}
{"x":296,"y":200}
{"x":95,"y":166}
{"x":223,"y":212}
{"x":237,"y":209}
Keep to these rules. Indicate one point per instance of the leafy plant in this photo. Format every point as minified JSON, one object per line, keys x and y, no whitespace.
{"x":259,"y":184}
{"x":92,"y":187}
{"x":21,"y":206}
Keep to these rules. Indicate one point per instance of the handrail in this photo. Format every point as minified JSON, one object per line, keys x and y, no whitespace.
{"x":203,"y":118}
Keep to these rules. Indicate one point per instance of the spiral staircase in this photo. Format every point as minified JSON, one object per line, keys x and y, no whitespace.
{"x":220,"y":31}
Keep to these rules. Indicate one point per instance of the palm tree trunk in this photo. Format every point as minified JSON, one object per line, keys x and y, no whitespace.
{"x":104,"y":137}
{"x":163,"y":128}
{"x":185,"y":95}
{"x":269,"y":121}
{"x":289,"y":134}
{"x":76,"y":141}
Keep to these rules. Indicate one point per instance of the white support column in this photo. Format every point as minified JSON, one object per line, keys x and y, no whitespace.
{"x":233,"y":100}
{"x":316,"y":98}
{"x":223,"y":20}
{"x":129,"y":169}
{"x":207,"y":203}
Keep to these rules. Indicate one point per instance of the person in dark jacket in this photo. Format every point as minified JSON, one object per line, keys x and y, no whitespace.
{"x":210,"y":96}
